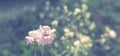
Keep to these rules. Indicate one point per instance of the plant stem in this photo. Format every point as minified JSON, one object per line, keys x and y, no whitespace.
{"x":34,"y":51}
{"x":42,"y":50}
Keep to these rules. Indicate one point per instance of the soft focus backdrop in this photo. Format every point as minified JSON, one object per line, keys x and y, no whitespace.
{"x":84,"y":27}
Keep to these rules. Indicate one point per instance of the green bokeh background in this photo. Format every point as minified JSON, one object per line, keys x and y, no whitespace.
{"x":84,"y":27}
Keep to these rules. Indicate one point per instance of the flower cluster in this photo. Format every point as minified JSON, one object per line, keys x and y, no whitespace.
{"x":43,"y":35}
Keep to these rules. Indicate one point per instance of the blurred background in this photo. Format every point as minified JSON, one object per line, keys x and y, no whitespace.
{"x":84,"y":27}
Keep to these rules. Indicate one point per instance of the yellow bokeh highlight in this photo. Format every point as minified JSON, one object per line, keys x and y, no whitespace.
{"x":111,"y":33}
{"x":88,"y":45}
{"x":66,"y":34}
{"x":92,"y":26}
{"x":76,"y":43}
{"x":81,"y":24}
{"x":87,"y":15}
{"x":84,"y":7}
{"x":72,"y":48}
{"x":55,"y":22}
{"x":107,"y":29}
{"x":65,"y":8}
{"x":103,"y":40}
{"x":66,"y":29}
{"x":71,"y":34}
{"x":85,"y":39}
{"x":76,"y":11}
{"x":62,"y":38}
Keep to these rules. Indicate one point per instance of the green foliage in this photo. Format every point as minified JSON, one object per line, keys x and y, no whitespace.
{"x":106,"y":17}
{"x":84,"y":28}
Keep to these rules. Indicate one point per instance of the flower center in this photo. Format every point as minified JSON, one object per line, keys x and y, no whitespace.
{"x":46,"y":34}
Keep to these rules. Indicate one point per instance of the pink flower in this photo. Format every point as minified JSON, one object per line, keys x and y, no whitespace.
{"x":43,"y":35}
{"x":29,"y":40}
{"x":47,"y":35}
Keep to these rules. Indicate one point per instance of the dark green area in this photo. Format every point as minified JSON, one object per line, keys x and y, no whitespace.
{"x":93,"y":27}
